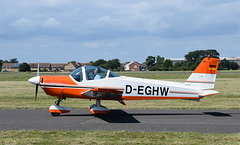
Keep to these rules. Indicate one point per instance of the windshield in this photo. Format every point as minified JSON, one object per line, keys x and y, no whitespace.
{"x":112,"y":74}
{"x":95,"y":73}
{"x":77,"y":74}
{"x":92,"y":73}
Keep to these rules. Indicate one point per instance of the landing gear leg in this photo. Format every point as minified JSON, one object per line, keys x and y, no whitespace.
{"x":58,"y":102}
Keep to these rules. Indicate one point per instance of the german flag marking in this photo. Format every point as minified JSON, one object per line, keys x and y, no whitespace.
{"x":212,"y":66}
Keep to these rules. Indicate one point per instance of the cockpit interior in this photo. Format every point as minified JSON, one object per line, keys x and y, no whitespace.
{"x":87,"y":73}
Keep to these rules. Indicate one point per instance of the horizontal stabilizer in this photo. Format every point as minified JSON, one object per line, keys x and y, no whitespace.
{"x":208,"y":93}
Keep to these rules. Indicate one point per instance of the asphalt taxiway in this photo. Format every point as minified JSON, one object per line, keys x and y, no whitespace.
{"x":202,"y":121}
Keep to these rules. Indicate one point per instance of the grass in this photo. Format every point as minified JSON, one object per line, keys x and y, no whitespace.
{"x":20,"y":94}
{"x":114,"y":137}
{"x":24,"y":76}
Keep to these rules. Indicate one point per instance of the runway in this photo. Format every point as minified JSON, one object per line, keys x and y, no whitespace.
{"x":201,"y":121}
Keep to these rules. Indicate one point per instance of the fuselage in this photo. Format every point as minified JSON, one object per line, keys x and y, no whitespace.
{"x":131,"y":88}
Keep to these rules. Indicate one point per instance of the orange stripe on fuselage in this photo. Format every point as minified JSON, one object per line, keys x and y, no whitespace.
{"x":200,"y":81}
{"x":155,"y":98}
{"x":208,"y":65}
{"x":181,"y":92}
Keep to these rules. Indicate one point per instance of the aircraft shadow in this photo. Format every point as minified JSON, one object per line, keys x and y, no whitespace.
{"x":115,"y":116}
{"x":218,"y":114}
{"x":215,"y":114}
{"x":120,"y":116}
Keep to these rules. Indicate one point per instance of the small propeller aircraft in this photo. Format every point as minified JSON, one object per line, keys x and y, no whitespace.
{"x":92,"y":82}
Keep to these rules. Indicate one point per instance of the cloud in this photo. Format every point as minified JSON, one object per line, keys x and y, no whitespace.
{"x":181,"y":18}
{"x":25,"y":24}
{"x":152,"y":27}
{"x":50,"y":22}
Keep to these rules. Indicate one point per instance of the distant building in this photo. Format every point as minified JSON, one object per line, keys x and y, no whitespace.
{"x":234,"y":59}
{"x":71,"y":66}
{"x":175,"y":60}
{"x":42,"y":66}
{"x":10,"y":67}
{"x":58,"y":66}
{"x":134,"y":66}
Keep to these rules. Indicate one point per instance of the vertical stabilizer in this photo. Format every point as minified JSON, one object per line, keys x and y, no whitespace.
{"x":204,"y":75}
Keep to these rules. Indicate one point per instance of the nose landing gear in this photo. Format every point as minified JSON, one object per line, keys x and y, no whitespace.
{"x":56,"y":110}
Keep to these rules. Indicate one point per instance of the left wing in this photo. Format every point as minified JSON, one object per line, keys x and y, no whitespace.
{"x":104,"y":93}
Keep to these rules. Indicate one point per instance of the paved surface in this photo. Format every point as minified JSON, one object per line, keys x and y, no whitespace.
{"x":202,"y":121}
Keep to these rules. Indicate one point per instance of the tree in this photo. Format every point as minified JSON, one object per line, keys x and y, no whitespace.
{"x":212,"y":53}
{"x":227,"y":65}
{"x":72,"y":62}
{"x":150,"y":61}
{"x":233,"y":65}
{"x":1,"y":63}
{"x":99,"y":62}
{"x":159,"y":63}
{"x":167,"y":64}
{"x":24,"y":67}
{"x":113,"y":64}
{"x":14,"y":60}
{"x":177,"y":66}
{"x":110,"y":64}
{"x":224,"y":64}
{"x":195,"y":57}
{"x":91,"y":62}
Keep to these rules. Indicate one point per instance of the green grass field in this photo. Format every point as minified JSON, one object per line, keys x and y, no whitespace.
{"x":17,"y":93}
{"x":115,"y":137}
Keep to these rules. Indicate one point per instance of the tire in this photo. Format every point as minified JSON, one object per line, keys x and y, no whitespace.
{"x":55,"y":114}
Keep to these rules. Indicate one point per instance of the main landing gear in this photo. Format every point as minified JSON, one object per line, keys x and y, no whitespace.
{"x":56,"y":110}
{"x":97,"y":108}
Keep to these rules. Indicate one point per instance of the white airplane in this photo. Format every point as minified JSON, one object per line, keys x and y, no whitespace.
{"x":92,"y":82}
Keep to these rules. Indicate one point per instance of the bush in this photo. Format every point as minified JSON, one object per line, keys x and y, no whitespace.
{"x":24,"y":67}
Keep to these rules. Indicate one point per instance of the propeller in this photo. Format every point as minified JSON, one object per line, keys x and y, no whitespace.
{"x":37,"y":84}
{"x":36,"y":93}
{"x":35,"y":81}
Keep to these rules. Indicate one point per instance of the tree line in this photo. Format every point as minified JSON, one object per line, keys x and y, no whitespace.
{"x":193,"y":59}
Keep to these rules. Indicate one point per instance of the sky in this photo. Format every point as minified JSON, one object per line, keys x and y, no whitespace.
{"x":59,"y":31}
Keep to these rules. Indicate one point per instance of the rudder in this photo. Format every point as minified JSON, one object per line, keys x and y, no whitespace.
{"x":204,"y":75}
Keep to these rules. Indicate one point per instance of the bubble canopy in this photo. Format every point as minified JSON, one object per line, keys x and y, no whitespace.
{"x":92,"y":73}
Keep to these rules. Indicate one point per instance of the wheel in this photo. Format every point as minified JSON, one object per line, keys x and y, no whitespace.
{"x":55,"y":114}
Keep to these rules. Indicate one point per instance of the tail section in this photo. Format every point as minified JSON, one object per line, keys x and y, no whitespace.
{"x":204,"y":75}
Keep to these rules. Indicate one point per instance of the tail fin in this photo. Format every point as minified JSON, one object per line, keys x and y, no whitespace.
{"x":204,"y":75}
